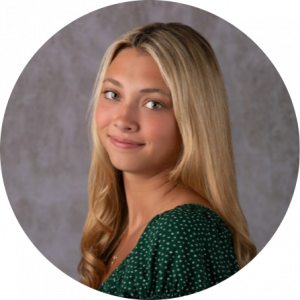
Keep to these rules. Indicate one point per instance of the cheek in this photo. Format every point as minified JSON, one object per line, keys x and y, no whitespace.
{"x":164,"y":132}
{"x":102,"y":116}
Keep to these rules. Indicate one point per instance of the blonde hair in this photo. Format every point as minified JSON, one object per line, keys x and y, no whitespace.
{"x":205,"y":165}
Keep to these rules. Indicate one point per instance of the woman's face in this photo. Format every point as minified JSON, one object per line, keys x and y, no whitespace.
{"x":134,"y":116}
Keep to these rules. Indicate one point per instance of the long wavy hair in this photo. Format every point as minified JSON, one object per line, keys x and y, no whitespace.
{"x":205,"y":164}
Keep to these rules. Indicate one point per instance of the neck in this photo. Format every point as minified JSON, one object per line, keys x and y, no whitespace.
{"x":145,"y":196}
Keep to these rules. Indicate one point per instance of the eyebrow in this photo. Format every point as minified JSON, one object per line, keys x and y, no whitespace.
{"x":147,"y":90}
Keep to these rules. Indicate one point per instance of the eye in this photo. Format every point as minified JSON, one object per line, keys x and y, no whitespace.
{"x":111,"y":95}
{"x":153,"y":105}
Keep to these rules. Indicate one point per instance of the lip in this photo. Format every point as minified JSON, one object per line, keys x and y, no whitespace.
{"x":124,"y":143}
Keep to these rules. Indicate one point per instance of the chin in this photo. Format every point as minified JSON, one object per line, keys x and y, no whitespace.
{"x":126,"y":166}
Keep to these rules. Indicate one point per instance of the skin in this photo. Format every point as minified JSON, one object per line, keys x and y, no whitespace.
{"x":146,"y":117}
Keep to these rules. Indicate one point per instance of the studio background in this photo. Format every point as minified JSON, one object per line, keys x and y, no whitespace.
{"x":44,"y":143}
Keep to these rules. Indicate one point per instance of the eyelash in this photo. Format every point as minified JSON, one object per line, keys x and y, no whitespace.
{"x":111,"y":91}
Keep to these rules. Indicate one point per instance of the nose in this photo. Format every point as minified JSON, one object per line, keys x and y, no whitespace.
{"x":126,"y":119}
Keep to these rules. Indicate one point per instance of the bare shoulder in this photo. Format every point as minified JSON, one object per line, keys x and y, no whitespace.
{"x":188,"y":197}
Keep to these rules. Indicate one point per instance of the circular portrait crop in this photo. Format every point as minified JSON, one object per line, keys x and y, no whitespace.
{"x":150,"y":157}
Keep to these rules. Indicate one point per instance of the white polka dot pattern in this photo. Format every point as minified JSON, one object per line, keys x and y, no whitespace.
{"x":181,"y":251}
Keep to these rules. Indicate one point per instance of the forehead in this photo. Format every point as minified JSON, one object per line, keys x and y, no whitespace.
{"x":132,"y":63}
{"x":133,"y":58}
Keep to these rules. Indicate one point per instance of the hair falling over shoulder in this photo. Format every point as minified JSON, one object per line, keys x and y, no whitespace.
{"x":206,"y":163}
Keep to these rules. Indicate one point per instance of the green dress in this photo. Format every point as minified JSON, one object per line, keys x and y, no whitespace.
{"x":182,"y":251}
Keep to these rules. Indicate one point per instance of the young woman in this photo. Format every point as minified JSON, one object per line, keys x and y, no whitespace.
{"x":164,"y":219}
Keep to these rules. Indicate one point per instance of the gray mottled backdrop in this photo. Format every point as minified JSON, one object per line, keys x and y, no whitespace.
{"x":44,"y":143}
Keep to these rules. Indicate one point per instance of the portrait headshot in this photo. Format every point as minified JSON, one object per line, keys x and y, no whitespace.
{"x":152,"y":156}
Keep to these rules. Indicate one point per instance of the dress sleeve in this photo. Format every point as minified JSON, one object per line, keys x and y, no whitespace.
{"x":191,"y":251}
